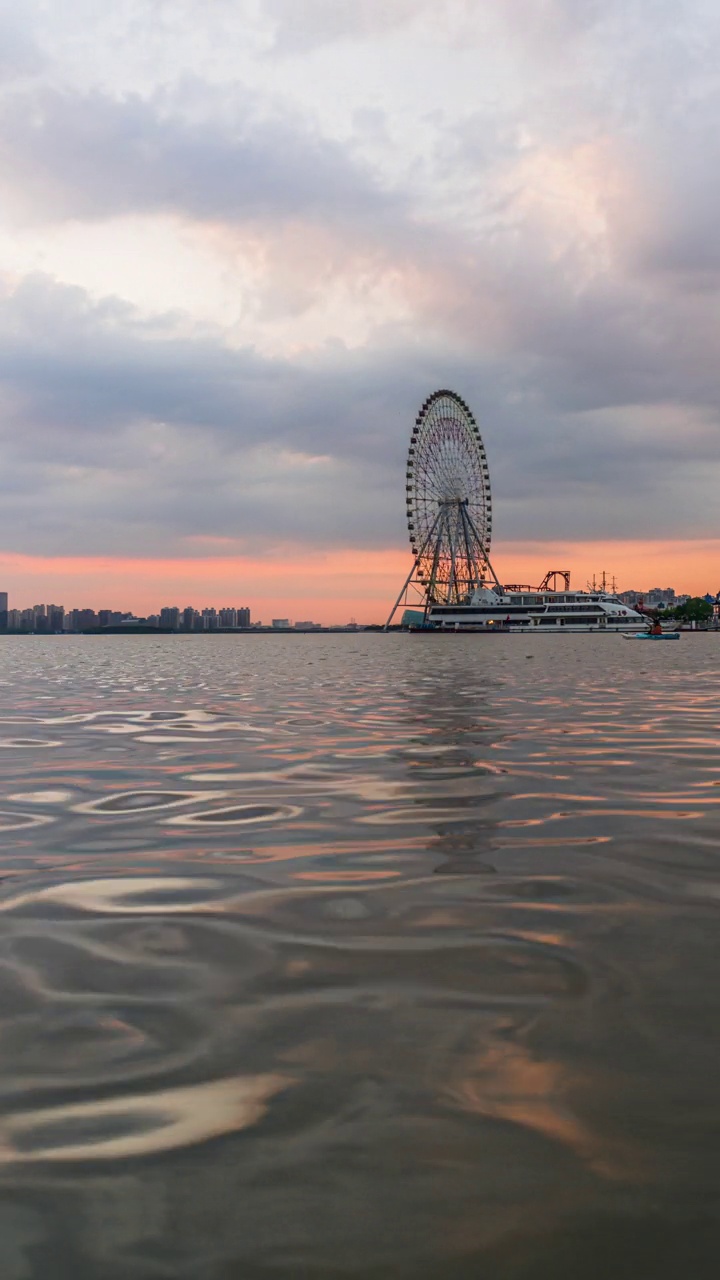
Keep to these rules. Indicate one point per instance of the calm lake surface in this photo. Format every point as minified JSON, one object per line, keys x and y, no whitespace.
{"x":359,"y":955}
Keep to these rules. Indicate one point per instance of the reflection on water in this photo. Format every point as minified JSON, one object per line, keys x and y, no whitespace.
{"x":367,"y":956}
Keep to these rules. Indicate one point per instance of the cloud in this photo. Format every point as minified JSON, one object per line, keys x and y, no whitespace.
{"x":136,"y":436}
{"x":91,"y":156}
{"x":301,"y":25}
{"x":549,"y":251}
{"x":672,"y":226}
{"x":147,"y":436}
{"x":20,"y":54}
{"x":538,"y":27}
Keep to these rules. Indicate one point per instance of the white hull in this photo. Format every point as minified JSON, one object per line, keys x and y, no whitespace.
{"x":528,"y":630}
{"x":541,"y":613}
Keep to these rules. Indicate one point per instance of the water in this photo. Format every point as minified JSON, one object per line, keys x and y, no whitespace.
{"x":359,"y":955}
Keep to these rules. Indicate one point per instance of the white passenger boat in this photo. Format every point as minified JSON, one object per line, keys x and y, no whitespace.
{"x":547,"y":612}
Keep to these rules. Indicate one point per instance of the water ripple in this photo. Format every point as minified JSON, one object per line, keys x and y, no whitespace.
{"x":137,"y":1125}
{"x":382,"y":961}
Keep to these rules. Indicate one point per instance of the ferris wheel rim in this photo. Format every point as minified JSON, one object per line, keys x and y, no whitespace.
{"x":432,"y":478}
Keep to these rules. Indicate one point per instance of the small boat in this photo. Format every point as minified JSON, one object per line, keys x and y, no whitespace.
{"x":649,"y":635}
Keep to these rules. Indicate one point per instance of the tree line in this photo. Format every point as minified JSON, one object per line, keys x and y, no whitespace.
{"x":694,"y":610}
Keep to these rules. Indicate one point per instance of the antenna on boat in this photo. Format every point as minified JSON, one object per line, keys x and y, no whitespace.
{"x":602,"y":585}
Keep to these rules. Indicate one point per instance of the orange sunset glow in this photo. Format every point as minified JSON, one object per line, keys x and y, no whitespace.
{"x":332,"y":587}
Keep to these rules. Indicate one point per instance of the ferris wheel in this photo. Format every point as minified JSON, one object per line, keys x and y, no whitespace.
{"x":449,"y":509}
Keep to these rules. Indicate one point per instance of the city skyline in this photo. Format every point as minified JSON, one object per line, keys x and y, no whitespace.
{"x":230,"y":617}
{"x":54,"y":618}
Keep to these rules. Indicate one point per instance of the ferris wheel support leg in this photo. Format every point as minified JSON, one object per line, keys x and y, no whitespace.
{"x":412,"y":573}
{"x":494,"y":575}
{"x":486,"y":558}
{"x":399,"y":600}
{"x":467,"y":524}
{"x":442,"y":520}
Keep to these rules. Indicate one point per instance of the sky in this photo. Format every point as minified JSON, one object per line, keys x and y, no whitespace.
{"x":241,"y":241}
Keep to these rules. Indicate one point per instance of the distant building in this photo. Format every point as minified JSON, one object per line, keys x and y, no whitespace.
{"x":209,"y":620}
{"x":228,"y":618}
{"x":170,"y":617}
{"x":281,"y":624}
{"x":660,"y":597}
{"x":243,"y":616}
{"x":654,"y":598}
{"x":188,"y":618}
{"x":80,"y":620}
{"x":3,"y":610}
{"x":13,"y":619}
{"x":308,"y":626}
{"x":55,"y":617}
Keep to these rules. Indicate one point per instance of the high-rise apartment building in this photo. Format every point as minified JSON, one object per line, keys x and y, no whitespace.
{"x":54,"y":618}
